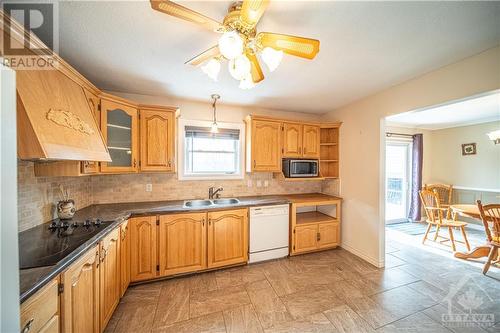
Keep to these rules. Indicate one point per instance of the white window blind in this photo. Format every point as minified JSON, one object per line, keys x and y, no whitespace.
{"x":207,"y":153}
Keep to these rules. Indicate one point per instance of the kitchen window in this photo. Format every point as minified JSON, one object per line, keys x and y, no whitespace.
{"x":206,"y":155}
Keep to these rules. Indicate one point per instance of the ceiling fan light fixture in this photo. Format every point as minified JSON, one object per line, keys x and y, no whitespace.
{"x":212,"y":69}
{"x":231,"y":45}
{"x":239,"y":67}
{"x":272,"y":58}
{"x":247,"y":82}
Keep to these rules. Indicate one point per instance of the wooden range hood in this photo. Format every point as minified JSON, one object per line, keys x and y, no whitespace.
{"x":54,"y":119}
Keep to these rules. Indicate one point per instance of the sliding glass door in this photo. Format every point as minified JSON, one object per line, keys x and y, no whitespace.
{"x":397,"y":181}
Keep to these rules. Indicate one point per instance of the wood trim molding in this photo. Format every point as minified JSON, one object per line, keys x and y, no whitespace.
{"x":18,"y":33}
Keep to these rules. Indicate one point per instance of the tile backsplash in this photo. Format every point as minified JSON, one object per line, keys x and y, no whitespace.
{"x":37,"y":196}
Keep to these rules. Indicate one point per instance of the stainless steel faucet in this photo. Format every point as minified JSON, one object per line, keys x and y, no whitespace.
{"x":212,"y":192}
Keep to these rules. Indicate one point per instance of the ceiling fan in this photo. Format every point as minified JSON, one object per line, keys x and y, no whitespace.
{"x":240,"y":43}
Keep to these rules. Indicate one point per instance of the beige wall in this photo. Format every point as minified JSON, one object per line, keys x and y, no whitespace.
{"x":362,"y":142}
{"x":475,"y":171}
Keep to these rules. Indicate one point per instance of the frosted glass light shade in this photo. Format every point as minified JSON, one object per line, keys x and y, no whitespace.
{"x":247,"y":82}
{"x":494,"y":136}
{"x":212,"y":69}
{"x":231,"y":45}
{"x":239,"y":67}
{"x":214,"y":128}
{"x":272,"y":58}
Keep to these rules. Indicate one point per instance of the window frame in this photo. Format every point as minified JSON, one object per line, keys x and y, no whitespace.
{"x":182,"y":123}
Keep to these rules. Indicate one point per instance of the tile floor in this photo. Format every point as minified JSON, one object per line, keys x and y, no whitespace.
{"x":331,"y":291}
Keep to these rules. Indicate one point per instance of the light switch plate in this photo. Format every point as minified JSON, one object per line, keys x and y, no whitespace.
{"x":149,"y":187}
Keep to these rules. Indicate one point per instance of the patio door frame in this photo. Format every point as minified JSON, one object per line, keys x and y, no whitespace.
{"x":408,"y":143}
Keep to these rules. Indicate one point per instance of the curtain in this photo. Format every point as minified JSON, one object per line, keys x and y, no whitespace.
{"x":416,"y":178}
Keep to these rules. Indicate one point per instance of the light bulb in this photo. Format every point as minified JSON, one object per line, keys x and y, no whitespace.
{"x":272,"y":58}
{"x":212,"y":68}
{"x":231,"y":45}
{"x":214,"y":128}
{"x":239,"y":67}
{"x":247,"y":82}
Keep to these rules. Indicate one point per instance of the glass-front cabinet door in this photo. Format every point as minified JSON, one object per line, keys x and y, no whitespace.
{"x":120,"y":131}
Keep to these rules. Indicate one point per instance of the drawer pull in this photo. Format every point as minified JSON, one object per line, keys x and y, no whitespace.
{"x":28,"y":325}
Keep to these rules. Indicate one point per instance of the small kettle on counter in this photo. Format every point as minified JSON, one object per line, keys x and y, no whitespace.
{"x":66,"y":208}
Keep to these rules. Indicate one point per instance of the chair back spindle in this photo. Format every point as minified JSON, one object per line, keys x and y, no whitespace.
{"x":490,"y":216}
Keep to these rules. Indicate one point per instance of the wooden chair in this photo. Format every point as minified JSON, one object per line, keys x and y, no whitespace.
{"x":445,"y":195}
{"x":491,"y":214}
{"x":434,"y":211}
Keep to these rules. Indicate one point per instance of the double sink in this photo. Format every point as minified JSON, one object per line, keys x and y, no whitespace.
{"x":211,"y":202}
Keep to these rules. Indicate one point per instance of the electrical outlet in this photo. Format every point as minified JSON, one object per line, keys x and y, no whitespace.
{"x":149,"y":187}
{"x":259,"y":183}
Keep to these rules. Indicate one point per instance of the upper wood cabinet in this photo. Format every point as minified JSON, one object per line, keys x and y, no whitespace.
{"x":292,"y":140}
{"x":124,"y":257}
{"x":119,"y":125}
{"x":310,"y":142}
{"x":109,"y":276}
{"x":92,"y":167}
{"x":182,"y":243}
{"x":80,"y":299}
{"x":157,"y":139}
{"x":227,"y":237}
{"x":142,"y":248}
{"x":263,"y":145}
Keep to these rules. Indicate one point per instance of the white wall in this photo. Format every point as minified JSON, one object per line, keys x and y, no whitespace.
{"x":448,"y":166}
{"x":362,"y":142}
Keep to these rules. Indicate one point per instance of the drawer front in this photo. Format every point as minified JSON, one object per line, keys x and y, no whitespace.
{"x":39,"y":309}
{"x":52,"y":326}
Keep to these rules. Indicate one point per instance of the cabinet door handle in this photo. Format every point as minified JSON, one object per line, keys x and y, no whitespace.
{"x":135,"y":163}
{"x":318,"y":237}
{"x":28,"y":325}
{"x":203,"y":222}
{"x":254,"y":163}
{"x":169,"y":163}
{"x":304,"y":150}
{"x":209,"y":221}
{"x":105,"y":254}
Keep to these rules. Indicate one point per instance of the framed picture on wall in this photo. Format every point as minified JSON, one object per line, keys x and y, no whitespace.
{"x":468,"y":149}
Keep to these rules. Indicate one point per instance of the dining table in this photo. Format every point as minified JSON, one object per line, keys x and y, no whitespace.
{"x":472,"y":211}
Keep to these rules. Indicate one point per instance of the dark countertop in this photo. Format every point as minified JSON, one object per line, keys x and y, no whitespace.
{"x":32,"y":279}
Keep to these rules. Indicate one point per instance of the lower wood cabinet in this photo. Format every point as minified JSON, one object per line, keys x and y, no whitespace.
{"x":109,"y":276}
{"x":124,"y":258}
{"x":227,"y":237}
{"x":313,"y":237}
{"x":182,"y":243}
{"x":80,"y":298}
{"x":40,"y":312}
{"x":143,"y":245}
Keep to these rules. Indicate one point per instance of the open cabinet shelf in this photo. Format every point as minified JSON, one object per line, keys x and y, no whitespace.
{"x":313,"y":217}
{"x":329,"y":151}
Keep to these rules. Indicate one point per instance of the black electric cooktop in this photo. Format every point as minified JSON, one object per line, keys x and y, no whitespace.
{"x":47,"y":244}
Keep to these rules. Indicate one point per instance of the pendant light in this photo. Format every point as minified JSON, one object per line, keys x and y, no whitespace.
{"x":214,"y":128}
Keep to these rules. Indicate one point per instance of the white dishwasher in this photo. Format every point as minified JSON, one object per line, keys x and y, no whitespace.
{"x":269,"y":227}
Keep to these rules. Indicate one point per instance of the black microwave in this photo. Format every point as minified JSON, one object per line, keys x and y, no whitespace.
{"x":300,"y":168}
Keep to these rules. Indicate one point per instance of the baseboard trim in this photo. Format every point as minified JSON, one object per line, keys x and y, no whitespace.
{"x":363,"y":256}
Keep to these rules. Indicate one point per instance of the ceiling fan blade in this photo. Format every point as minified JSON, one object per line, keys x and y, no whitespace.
{"x":294,"y":45}
{"x":255,"y":70}
{"x":212,"y":52}
{"x":252,"y":10}
{"x":173,"y":9}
